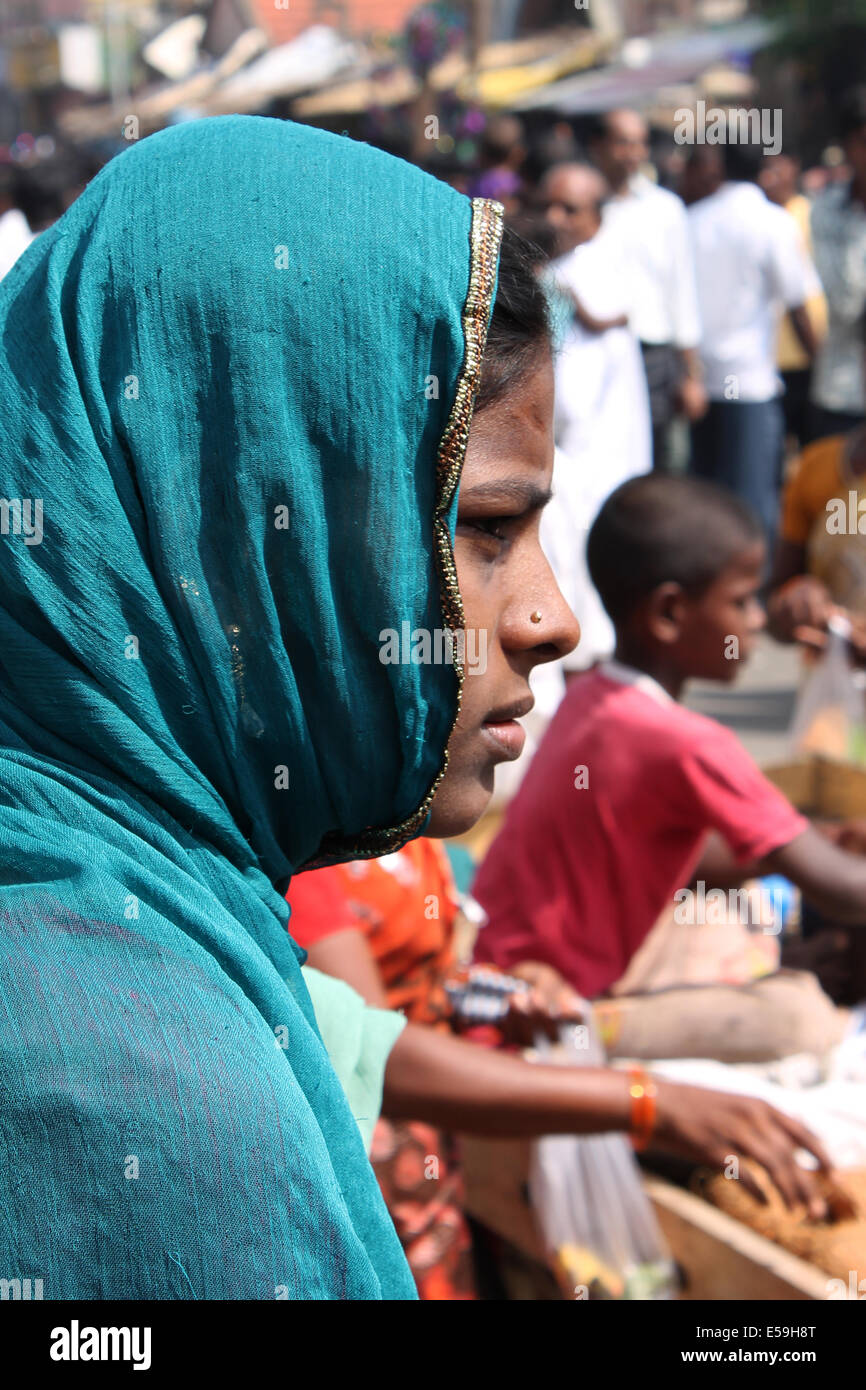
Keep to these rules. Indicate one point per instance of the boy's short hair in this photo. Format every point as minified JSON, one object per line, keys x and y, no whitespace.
{"x":656,"y":529}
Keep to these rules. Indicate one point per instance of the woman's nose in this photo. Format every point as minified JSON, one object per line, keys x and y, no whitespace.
{"x":546,"y":623}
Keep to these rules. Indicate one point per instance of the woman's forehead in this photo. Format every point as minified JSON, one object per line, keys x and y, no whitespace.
{"x":513,"y":436}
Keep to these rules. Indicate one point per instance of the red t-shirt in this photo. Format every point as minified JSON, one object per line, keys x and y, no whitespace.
{"x":609,"y":822}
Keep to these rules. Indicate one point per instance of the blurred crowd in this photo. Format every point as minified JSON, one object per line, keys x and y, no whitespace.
{"x":712,"y":322}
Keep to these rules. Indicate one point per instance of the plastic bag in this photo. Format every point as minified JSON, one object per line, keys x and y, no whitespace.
{"x":830,"y":714}
{"x":595,"y":1218}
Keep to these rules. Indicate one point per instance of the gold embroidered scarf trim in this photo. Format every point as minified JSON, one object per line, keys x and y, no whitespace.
{"x":485,"y":238}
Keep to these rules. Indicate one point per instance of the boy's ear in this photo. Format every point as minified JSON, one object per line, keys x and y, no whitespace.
{"x":666,"y":611}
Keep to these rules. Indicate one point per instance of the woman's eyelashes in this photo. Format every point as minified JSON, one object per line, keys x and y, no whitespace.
{"x":492,"y":531}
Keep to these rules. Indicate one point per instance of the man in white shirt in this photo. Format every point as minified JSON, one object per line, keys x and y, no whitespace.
{"x":15,"y":233}
{"x":647,"y":225}
{"x":751,"y":268}
{"x":601,"y":407}
{"x":601,"y":421}
{"x":839,"y":244}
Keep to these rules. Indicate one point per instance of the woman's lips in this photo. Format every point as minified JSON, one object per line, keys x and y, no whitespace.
{"x":507,"y":736}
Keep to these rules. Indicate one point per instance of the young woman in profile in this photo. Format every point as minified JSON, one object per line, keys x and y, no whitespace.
{"x":213,"y":377}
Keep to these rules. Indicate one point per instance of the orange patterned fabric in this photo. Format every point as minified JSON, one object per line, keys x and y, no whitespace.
{"x":423,"y":1189}
{"x":405,"y":904}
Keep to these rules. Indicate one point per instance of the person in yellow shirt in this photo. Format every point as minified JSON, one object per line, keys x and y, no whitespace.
{"x":820,"y":563}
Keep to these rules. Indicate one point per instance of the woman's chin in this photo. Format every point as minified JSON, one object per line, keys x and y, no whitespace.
{"x":457,"y":806}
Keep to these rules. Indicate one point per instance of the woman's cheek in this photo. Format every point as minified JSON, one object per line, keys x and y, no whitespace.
{"x":484,"y":586}
{"x":479,"y":617}
{"x":467,"y":578}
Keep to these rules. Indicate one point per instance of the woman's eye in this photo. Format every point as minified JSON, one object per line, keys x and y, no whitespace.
{"x":493,"y":526}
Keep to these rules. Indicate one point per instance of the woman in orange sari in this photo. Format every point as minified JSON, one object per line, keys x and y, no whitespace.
{"x":405,"y":905}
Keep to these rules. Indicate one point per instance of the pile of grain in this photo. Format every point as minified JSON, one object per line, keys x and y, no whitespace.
{"x":836,"y":1245}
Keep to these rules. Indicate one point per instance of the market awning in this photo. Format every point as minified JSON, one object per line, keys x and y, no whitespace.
{"x":174,"y":52}
{"x":648,"y":64}
{"x":501,"y":86}
{"x":314,"y":57}
{"x":504,"y":70}
{"x":153,"y":107}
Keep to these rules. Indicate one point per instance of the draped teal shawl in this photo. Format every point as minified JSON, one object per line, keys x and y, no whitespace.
{"x":236,"y":381}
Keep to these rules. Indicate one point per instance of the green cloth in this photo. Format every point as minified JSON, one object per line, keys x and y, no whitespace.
{"x":215,"y":392}
{"x":358,"y":1040}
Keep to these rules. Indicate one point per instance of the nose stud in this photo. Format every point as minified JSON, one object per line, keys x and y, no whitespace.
{"x":535,"y":617}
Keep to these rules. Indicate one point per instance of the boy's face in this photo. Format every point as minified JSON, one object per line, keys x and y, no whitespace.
{"x":719,"y":629}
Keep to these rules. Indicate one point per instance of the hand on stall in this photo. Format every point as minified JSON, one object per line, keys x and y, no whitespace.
{"x":711,"y":1127}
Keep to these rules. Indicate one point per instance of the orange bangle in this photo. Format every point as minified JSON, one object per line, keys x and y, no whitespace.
{"x":642,"y":1090}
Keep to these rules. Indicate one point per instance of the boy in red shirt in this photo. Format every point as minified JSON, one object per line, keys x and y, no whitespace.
{"x":631,"y":796}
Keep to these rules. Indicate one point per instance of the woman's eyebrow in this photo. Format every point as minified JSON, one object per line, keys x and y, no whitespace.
{"x":529,"y":496}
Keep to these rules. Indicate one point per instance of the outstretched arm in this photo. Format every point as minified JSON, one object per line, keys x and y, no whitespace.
{"x":462,"y":1087}
{"x":831,"y":878}
{"x":473,"y":1090}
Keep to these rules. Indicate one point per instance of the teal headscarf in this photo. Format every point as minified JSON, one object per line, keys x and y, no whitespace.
{"x":236,"y":381}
